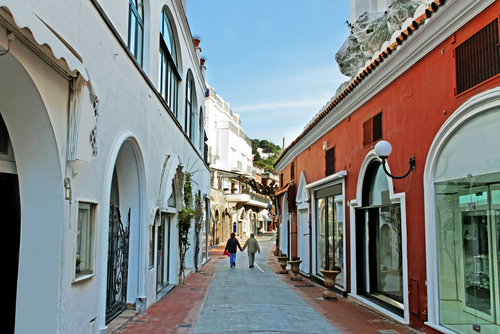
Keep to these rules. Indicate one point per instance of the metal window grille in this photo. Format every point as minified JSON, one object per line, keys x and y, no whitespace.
{"x":478,"y":58}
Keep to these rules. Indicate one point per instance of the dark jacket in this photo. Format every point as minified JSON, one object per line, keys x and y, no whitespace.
{"x":231,"y":245}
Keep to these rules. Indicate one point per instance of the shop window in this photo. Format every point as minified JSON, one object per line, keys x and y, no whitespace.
{"x":330,"y":162}
{"x":379,"y":243}
{"x":330,"y":230}
{"x":467,"y":218}
{"x":477,"y":59}
{"x":136,"y":29}
{"x":372,"y":130}
{"x":169,"y":75}
{"x":85,"y":240}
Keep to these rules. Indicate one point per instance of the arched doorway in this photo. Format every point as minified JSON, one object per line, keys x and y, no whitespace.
{"x":124,"y":231}
{"x":378,"y":280}
{"x":462,"y":194}
{"x":38,"y":187}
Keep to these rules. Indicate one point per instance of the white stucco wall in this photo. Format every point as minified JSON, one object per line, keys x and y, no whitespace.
{"x":135,"y":130}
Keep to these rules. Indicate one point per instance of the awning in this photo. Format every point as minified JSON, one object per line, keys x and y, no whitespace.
{"x":25,"y":18}
{"x":282,"y":190}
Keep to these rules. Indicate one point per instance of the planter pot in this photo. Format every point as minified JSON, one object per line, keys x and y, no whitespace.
{"x":196,"y":42}
{"x":330,"y":276}
{"x":295,"y":270}
{"x":202,"y":62}
{"x":282,"y":261}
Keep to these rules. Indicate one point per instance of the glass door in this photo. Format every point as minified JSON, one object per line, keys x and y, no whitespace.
{"x":162,"y":258}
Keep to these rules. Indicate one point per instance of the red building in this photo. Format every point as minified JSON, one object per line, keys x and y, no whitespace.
{"x":425,"y":249}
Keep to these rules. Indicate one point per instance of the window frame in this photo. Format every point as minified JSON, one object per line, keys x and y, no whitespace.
{"x":169,"y":77}
{"x":138,"y":22}
{"x":91,"y":236}
{"x":373,"y":130}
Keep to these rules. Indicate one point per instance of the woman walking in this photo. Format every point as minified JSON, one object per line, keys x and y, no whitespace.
{"x":231,"y":245}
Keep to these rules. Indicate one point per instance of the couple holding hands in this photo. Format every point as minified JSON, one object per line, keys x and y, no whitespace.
{"x":251,"y":243}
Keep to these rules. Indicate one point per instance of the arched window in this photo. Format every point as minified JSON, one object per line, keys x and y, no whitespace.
{"x":200,"y":127}
{"x":169,"y":75}
{"x":189,"y":115}
{"x":136,"y":29}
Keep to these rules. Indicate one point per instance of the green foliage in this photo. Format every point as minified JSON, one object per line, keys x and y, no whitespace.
{"x":267,"y":147}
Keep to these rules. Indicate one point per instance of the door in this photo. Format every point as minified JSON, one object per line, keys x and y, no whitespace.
{"x":11,"y":222}
{"x":304,"y":237}
{"x":118,"y":249}
{"x":162,"y":252}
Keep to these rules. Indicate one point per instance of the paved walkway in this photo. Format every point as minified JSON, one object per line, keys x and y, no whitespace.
{"x":220,"y":299}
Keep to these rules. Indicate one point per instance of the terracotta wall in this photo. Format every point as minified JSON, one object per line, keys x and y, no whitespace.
{"x":414,"y":108}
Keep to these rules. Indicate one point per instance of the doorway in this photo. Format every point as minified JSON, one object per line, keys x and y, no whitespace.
{"x":163,"y":252}
{"x":11,"y":217}
{"x":469,"y":234}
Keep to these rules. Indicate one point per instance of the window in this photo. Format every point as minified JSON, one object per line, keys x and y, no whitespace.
{"x":151,"y":247}
{"x":372,"y":130}
{"x":85,"y":240}
{"x":292,"y":171}
{"x":189,"y":119}
{"x":202,"y":132}
{"x":330,"y":161}
{"x":169,"y":75}
{"x":330,"y":230}
{"x":477,"y":59}
{"x":136,"y":29}
{"x":281,"y":180}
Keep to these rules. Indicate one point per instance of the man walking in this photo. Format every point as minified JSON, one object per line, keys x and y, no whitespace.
{"x":253,"y":247}
{"x":231,"y":245}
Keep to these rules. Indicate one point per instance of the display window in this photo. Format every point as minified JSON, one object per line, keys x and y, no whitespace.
{"x":467,"y":222}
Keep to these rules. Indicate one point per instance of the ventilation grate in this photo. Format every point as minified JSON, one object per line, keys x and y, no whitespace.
{"x":478,"y":58}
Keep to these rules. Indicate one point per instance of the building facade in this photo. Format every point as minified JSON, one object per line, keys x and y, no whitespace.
{"x":422,"y":249}
{"x":236,"y":207}
{"x":102,"y":108}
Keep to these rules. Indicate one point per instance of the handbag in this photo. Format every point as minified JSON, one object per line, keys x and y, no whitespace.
{"x":226,"y":252}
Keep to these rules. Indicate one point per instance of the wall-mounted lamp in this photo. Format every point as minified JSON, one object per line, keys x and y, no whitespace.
{"x":67,"y":189}
{"x":383,"y":149}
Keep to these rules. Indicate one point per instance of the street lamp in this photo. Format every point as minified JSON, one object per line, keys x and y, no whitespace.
{"x":383,"y":149}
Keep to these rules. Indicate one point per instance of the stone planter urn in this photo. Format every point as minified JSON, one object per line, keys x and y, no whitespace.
{"x":330,"y":276}
{"x":295,"y":270}
{"x":282,"y":260}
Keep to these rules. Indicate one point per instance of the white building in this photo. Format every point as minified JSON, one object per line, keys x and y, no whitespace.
{"x":100,"y":102}
{"x":236,"y":207}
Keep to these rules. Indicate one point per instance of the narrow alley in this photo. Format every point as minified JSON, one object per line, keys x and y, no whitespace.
{"x":220,"y":299}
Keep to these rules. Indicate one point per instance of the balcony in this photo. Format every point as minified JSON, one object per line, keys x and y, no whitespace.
{"x":246,"y":197}
{"x":236,"y":166}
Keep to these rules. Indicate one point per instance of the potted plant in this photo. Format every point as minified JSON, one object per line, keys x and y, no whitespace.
{"x":282,"y":260}
{"x":196,"y":40}
{"x":295,"y":263}
{"x":330,"y":275}
{"x":202,"y":60}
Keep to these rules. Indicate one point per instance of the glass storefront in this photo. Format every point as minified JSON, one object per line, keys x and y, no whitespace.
{"x":330,"y":231}
{"x":467,"y":209}
{"x":379,"y":243}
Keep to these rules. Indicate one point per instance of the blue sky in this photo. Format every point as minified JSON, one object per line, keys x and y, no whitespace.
{"x":272,"y":60}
